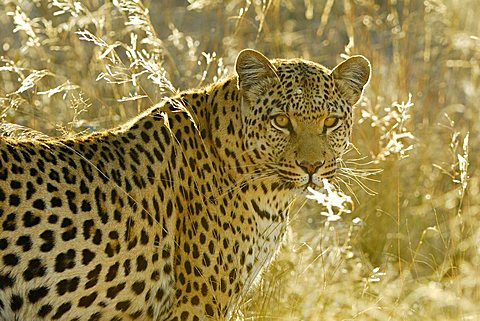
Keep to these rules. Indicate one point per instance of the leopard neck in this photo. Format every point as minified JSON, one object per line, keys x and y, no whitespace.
{"x":214,"y":113}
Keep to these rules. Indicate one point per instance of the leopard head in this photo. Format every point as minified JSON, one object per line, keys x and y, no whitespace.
{"x":297,"y":114}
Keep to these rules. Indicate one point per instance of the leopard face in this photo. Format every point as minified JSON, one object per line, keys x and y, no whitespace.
{"x":174,"y":215}
{"x":298,"y":116}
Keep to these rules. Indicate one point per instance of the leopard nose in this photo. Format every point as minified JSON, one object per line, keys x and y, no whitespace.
{"x":309,"y":167}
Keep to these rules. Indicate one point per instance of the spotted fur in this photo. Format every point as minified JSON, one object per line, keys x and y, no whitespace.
{"x":173,"y":215}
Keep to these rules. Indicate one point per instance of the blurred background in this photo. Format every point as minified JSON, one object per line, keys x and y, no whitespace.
{"x":409,"y":249}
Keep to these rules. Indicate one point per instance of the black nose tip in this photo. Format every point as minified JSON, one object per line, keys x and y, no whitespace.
{"x":309,"y":167}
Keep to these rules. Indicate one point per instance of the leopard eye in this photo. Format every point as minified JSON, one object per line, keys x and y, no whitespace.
{"x":281,"y":121}
{"x":331,"y":122}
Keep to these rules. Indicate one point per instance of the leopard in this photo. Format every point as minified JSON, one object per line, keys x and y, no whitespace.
{"x":176,"y":214}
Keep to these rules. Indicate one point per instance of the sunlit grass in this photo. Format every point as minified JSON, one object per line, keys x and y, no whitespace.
{"x":407,"y":248}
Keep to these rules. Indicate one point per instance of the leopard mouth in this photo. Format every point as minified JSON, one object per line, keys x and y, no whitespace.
{"x":299,"y":188}
{"x":318,"y":183}
{"x":311,"y":184}
{"x":300,"y":183}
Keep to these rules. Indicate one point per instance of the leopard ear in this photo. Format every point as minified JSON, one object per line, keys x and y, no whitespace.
{"x":351,"y":76}
{"x":254,"y":71}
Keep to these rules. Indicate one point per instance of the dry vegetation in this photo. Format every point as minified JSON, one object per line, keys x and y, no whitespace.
{"x":409,"y":249}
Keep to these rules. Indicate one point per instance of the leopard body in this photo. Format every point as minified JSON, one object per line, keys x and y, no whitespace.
{"x":174,"y":215}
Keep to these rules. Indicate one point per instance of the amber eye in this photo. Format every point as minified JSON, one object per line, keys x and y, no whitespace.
{"x":281,"y":121}
{"x":330,"y":122}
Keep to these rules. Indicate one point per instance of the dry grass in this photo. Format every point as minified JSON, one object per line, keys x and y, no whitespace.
{"x":409,"y":249}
